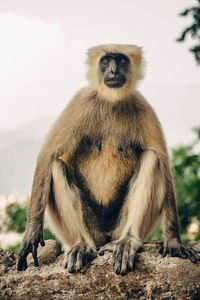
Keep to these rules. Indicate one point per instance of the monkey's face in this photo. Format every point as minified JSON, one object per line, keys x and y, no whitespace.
{"x":114,"y":69}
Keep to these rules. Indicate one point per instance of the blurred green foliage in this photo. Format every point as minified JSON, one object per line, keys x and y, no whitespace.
{"x":17,"y":217}
{"x":186,"y":171}
{"x":14,"y":248}
{"x":193,"y":29}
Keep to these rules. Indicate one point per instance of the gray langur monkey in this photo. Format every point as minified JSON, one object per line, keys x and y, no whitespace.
{"x":103,"y":175}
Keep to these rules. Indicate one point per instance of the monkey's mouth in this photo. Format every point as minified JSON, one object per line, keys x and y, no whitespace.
{"x":115,"y":82}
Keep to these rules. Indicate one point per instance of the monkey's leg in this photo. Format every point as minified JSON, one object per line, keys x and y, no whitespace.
{"x":139,"y":213}
{"x":66,"y":220}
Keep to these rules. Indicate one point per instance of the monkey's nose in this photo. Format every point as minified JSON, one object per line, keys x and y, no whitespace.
{"x":114,"y":71}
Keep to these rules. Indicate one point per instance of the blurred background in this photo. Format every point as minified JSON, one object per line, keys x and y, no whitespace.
{"x":43,"y":49}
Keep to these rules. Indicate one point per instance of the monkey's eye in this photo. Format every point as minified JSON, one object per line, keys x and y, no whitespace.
{"x":105,"y":61}
{"x":123,"y":61}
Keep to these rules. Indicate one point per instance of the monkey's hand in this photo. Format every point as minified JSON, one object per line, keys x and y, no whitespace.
{"x":124,"y":253}
{"x":78,"y":256}
{"x":33,"y":236}
{"x":175,"y":249}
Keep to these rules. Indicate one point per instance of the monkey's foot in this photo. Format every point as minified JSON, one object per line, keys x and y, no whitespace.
{"x":78,"y":256}
{"x":124,"y":253}
{"x":176,"y":249}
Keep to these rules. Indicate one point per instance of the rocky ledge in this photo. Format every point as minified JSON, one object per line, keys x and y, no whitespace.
{"x":154,"y":277}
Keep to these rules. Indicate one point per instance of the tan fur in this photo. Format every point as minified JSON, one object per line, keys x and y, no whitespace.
{"x":70,"y":231}
{"x":108,"y":170}
{"x":94,"y":55}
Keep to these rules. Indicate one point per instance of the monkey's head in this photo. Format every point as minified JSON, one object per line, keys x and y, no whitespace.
{"x":114,"y":70}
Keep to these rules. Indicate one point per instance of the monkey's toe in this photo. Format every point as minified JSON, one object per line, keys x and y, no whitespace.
{"x":192,"y":254}
{"x":124,"y":252}
{"x":22,"y":264}
{"x":124,"y":257}
{"x":108,"y":247}
{"x":77,"y":257}
{"x":181,"y":251}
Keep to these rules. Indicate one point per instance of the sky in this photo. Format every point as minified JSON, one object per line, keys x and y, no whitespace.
{"x":43,"y":50}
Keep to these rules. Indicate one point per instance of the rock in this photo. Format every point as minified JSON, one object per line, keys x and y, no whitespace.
{"x":47,"y":254}
{"x":154,"y":277}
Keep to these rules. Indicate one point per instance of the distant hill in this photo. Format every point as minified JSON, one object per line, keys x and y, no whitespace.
{"x":18,"y":154}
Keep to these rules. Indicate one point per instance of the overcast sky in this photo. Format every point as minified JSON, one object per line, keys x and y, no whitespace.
{"x":43,"y":46}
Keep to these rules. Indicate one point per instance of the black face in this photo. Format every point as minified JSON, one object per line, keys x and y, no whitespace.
{"x":114,"y":68}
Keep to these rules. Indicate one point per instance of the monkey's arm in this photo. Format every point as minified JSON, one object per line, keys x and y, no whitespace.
{"x":34,"y":227}
{"x":172,"y":241}
{"x":63,"y":138}
{"x":170,"y":222}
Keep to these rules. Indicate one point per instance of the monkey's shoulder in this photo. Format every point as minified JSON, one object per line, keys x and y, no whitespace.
{"x":88,"y":108}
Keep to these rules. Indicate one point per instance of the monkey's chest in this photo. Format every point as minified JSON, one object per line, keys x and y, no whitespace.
{"x":105,"y":167}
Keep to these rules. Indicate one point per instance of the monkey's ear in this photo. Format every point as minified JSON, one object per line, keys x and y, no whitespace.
{"x":135,"y":54}
{"x":94,"y":54}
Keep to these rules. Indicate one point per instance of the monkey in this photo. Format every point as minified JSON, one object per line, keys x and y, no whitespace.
{"x":103,"y":175}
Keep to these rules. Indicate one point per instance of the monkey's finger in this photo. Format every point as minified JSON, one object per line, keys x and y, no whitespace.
{"x":125,"y":258}
{"x":34,"y":252}
{"x":161,"y":250}
{"x":65,"y":262}
{"x":182,"y":252}
{"x":72,"y":260}
{"x":192,"y":255}
{"x":195,"y":253}
{"x":22,"y":264}
{"x":108,"y":247}
{"x":91,"y":254}
{"x":101,"y":252}
{"x":117,"y":258}
{"x":68,"y":251}
{"x":174,"y":252}
{"x":132,"y":253}
{"x":70,"y":266}
{"x":165,"y":251}
{"x":66,"y":258}
{"x":80,"y":259}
